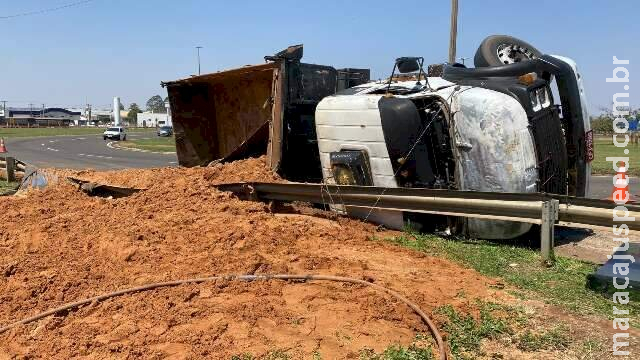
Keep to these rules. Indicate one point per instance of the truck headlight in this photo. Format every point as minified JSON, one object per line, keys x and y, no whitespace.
{"x":543,"y":95}
{"x":535,"y":101}
{"x":540,"y":98}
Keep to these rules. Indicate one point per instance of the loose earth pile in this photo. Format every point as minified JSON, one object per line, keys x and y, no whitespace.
{"x":60,"y":245}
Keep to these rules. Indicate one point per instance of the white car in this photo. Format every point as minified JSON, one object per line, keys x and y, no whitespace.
{"x":115,"y":133}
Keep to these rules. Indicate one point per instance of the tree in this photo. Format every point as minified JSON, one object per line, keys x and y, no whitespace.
{"x":602,"y":124}
{"x":134,"y":110}
{"x":156,"y":104}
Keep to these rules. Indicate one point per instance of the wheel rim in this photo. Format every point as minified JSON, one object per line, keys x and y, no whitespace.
{"x":512,"y":53}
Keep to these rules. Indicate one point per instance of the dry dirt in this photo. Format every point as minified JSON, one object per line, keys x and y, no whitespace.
{"x":60,"y":245}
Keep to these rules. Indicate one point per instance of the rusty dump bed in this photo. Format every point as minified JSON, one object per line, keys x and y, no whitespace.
{"x":255,"y":110}
{"x":220,"y":115}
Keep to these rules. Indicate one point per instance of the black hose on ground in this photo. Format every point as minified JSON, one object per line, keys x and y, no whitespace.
{"x":69,"y":306}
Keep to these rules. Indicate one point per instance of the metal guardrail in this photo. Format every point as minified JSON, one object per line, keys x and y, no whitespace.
{"x":543,"y":209}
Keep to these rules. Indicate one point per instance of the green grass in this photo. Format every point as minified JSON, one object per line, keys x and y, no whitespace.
{"x":562,"y":284}
{"x":7,"y":188}
{"x":556,"y":338}
{"x":415,"y":351}
{"x":604,"y":148}
{"x":465,"y":334}
{"x":161,"y":144}
{"x":504,"y":324}
{"x":36,"y":132}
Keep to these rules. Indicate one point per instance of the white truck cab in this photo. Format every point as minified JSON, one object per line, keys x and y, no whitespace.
{"x":494,"y":130}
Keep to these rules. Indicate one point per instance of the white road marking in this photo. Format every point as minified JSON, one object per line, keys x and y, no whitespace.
{"x":96,"y":156}
{"x":42,"y":144}
{"x":50,"y":149}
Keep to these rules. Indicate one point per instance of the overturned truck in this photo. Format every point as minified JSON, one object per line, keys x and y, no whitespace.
{"x":495,"y":127}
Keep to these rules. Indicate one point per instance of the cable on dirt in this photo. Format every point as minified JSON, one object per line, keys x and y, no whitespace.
{"x":285,"y":277}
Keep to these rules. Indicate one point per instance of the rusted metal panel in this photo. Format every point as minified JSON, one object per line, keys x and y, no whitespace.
{"x":255,"y":110}
{"x":222,"y":115}
{"x":274,"y":150}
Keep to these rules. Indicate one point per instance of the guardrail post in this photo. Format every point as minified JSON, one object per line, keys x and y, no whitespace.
{"x":11,"y":169}
{"x":549,"y":217}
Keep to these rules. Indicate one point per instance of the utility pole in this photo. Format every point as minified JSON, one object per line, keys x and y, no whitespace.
{"x":454,"y":31}
{"x":198,"y":50}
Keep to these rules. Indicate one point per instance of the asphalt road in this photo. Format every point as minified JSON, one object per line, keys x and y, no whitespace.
{"x":82,"y":152}
{"x":601,"y":186}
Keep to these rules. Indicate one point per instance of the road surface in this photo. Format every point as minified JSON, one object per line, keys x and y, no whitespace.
{"x":601,"y":186}
{"x":85,"y":151}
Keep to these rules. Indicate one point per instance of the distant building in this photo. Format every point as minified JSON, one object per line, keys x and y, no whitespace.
{"x":40,"y":117}
{"x":149,"y":119}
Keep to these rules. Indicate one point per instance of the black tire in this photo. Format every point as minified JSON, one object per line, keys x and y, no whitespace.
{"x":515,"y":50}
{"x":104,"y":138}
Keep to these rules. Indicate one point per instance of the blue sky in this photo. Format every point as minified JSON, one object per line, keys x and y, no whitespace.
{"x":105,"y":48}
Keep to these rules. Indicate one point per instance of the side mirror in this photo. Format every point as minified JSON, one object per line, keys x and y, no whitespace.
{"x":408,"y":64}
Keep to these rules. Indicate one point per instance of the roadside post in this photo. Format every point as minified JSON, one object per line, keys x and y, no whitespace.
{"x":549,"y":218}
{"x":9,"y":165}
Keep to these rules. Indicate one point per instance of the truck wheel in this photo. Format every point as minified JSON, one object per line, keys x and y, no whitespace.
{"x":497,"y":50}
{"x":104,"y":138}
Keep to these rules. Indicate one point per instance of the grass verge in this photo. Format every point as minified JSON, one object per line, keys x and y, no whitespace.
{"x":159,"y":144}
{"x":7,"y":188}
{"x":38,"y":132}
{"x":503,"y":324}
{"x":604,"y":148}
{"x":562,"y":284}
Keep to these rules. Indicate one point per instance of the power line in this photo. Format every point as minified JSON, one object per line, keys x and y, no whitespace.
{"x":42,"y":11}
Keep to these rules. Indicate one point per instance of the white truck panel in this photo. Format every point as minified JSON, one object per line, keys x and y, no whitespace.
{"x":375,"y":149}
{"x":495,"y":152}
{"x":494,"y":148}
{"x":353,"y":123}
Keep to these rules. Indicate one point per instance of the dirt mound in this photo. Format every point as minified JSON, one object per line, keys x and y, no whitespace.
{"x":60,"y":245}
{"x":249,"y":170}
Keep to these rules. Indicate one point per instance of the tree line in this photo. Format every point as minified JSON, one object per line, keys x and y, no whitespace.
{"x":603,"y":124}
